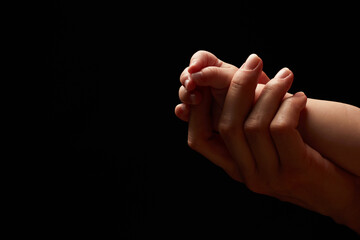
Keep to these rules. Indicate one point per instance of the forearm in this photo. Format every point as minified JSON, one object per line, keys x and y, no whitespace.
{"x":333,"y":129}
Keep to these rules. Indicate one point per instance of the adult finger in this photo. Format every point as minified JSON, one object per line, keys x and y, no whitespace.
{"x":237,"y":105}
{"x":202,"y":139}
{"x":283,"y":129}
{"x":257,"y":124}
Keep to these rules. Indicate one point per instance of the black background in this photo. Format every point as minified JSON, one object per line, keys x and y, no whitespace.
{"x":125,"y":169}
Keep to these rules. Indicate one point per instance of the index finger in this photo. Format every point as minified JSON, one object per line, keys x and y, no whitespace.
{"x":237,"y":106}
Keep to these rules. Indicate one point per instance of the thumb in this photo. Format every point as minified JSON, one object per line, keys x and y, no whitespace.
{"x":202,"y":59}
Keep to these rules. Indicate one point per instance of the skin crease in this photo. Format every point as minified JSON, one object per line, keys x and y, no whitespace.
{"x":316,"y":127}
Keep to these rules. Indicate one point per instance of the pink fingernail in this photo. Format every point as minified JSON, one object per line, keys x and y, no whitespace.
{"x":186,"y":83}
{"x":196,"y":76}
{"x":193,"y":98}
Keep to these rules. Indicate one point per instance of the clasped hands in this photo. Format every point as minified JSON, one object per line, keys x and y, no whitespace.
{"x":247,"y":124}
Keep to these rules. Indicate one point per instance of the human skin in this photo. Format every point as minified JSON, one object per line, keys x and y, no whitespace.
{"x":332,"y":128}
{"x":259,"y":144}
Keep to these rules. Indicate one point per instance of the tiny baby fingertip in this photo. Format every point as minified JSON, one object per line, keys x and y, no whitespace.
{"x":189,"y":85}
{"x":186,"y":83}
{"x":182,"y":112}
{"x":193,"y":67}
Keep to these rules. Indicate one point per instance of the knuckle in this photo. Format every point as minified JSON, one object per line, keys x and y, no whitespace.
{"x":224,"y":129}
{"x":279,"y":127}
{"x":289,"y":101}
{"x":274,"y":87}
{"x":238,"y":83}
{"x":243,"y":79}
{"x":293,"y":104}
{"x":254,"y":126}
{"x":227,"y":128}
{"x":270,"y":86}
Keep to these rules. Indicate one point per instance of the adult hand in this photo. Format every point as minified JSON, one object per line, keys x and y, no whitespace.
{"x":260,"y":146}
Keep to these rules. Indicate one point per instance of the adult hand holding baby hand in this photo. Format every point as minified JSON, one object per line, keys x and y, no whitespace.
{"x":259,"y":144}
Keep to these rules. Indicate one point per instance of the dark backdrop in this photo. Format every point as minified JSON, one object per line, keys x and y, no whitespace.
{"x":124,"y":166}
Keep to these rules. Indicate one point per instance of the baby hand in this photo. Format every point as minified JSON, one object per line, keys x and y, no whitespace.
{"x":206,"y":70}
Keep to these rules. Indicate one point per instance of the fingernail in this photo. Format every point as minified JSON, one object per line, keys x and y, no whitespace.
{"x":251,"y":62}
{"x":196,"y":76}
{"x":193,"y":99}
{"x":186,"y":83}
{"x":283,"y":73}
